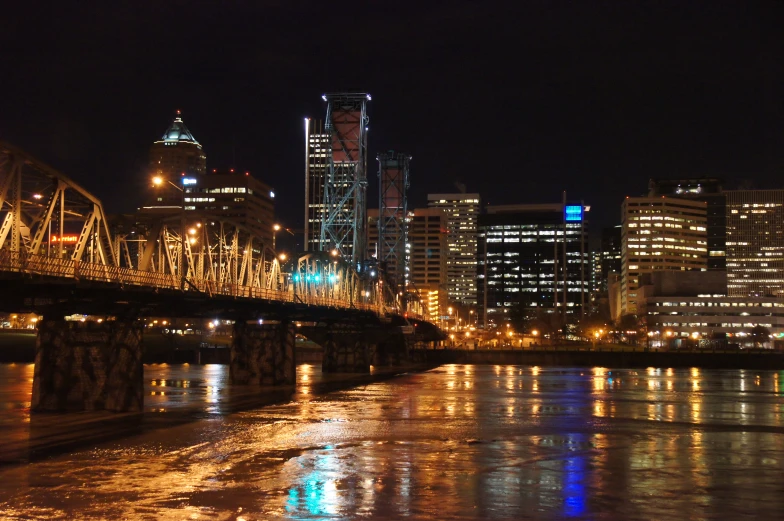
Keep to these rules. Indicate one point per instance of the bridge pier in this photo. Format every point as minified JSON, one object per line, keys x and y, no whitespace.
{"x":88,"y":366}
{"x":347,"y":350}
{"x":262,"y":354}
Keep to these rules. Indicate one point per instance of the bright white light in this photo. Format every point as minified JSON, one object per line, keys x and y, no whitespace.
{"x":37,"y":196}
{"x":272,"y":195}
{"x":324,"y":97}
{"x":369,"y":98}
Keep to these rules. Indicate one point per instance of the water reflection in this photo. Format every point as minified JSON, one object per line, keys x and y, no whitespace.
{"x":492,"y":442}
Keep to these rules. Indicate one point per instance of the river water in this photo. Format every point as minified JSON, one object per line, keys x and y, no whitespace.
{"x":456,"y":442}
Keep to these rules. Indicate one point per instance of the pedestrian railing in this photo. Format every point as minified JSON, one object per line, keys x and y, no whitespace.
{"x":43,"y":265}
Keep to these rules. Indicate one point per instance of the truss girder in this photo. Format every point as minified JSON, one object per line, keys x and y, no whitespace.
{"x":345,"y":205}
{"x":207,"y":254}
{"x":31,"y":193}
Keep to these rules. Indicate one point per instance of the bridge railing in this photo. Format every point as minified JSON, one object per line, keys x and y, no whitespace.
{"x":68,"y":268}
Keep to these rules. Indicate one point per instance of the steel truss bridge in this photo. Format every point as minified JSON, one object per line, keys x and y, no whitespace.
{"x":189,"y":254}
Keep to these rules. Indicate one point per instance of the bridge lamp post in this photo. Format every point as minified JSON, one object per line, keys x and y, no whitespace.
{"x":158,"y":182}
{"x":275,"y":230}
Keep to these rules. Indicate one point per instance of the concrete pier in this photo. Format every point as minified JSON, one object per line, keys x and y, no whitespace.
{"x":88,"y":366}
{"x":263,"y":354}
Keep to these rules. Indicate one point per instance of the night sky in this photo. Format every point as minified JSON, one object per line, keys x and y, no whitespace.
{"x":517,"y":100}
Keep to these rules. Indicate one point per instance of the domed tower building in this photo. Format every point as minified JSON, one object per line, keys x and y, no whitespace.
{"x":177,"y":152}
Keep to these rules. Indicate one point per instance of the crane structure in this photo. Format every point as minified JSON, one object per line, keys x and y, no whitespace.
{"x":344,"y":224}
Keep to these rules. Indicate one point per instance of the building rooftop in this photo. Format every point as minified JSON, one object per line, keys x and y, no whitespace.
{"x":178,"y":133}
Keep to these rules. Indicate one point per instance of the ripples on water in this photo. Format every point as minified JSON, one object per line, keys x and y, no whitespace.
{"x":457,"y":442}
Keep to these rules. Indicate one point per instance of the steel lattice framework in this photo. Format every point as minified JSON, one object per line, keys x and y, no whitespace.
{"x":40,"y":206}
{"x":393,"y":172}
{"x":345,"y":206}
{"x":190,"y":252}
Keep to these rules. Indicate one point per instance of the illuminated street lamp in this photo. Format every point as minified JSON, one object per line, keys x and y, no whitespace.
{"x":275,"y":230}
{"x":158,"y":181}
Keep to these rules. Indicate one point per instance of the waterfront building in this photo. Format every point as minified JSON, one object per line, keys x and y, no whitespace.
{"x":693,"y":305}
{"x":659,"y":233}
{"x":709,"y":190}
{"x":461,"y":211}
{"x":755,"y":243}
{"x":534,"y":257}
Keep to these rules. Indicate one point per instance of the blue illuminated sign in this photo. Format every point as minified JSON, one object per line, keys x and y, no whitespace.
{"x":188,"y":181}
{"x":573,"y":213}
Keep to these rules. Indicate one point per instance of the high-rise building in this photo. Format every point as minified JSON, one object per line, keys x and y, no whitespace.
{"x":524,"y":250}
{"x":427,"y":248}
{"x":609,"y":256}
{"x":755,"y":243}
{"x":708,"y":189}
{"x":175,"y":155}
{"x":426,"y":255}
{"x":177,"y":152}
{"x":318,"y":149}
{"x":660,"y":233}
{"x":462,"y":211}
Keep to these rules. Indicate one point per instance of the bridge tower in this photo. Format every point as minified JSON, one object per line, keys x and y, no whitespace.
{"x":393,"y":171}
{"x":344,"y":225}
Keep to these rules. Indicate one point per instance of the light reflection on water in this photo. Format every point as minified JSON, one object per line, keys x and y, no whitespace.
{"x":477,"y":442}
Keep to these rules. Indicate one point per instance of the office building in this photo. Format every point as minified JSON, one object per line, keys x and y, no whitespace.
{"x":659,"y":233}
{"x":706,"y":189}
{"x":318,"y":150}
{"x":755,"y":243}
{"x":534,"y":257}
{"x":461,"y":211}
{"x":239,"y":197}
{"x":693,"y":307}
{"x":426,"y":252}
{"x":609,"y":256}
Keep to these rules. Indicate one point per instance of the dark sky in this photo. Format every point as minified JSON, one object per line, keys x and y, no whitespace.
{"x":518,"y":100}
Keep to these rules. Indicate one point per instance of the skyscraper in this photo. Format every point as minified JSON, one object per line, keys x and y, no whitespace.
{"x":318,"y":149}
{"x":660,"y":233}
{"x":176,"y":155}
{"x":708,"y":189}
{"x":177,"y":152}
{"x":462,"y":211}
{"x":524,"y":248}
{"x":755,"y":243}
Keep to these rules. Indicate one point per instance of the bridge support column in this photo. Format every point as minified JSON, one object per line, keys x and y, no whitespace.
{"x":263,"y":354}
{"x":347,"y":351}
{"x":392,"y":348}
{"x":88,"y":366}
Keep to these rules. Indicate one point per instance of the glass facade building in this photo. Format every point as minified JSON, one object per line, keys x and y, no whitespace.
{"x":522,"y":254}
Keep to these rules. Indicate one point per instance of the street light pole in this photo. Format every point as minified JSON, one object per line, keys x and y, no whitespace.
{"x":158,"y":181}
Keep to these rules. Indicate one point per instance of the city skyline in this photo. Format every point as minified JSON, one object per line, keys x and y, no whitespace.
{"x":591,"y":100}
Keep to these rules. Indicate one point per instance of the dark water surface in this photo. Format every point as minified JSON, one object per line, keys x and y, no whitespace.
{"x":457,"y":442}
